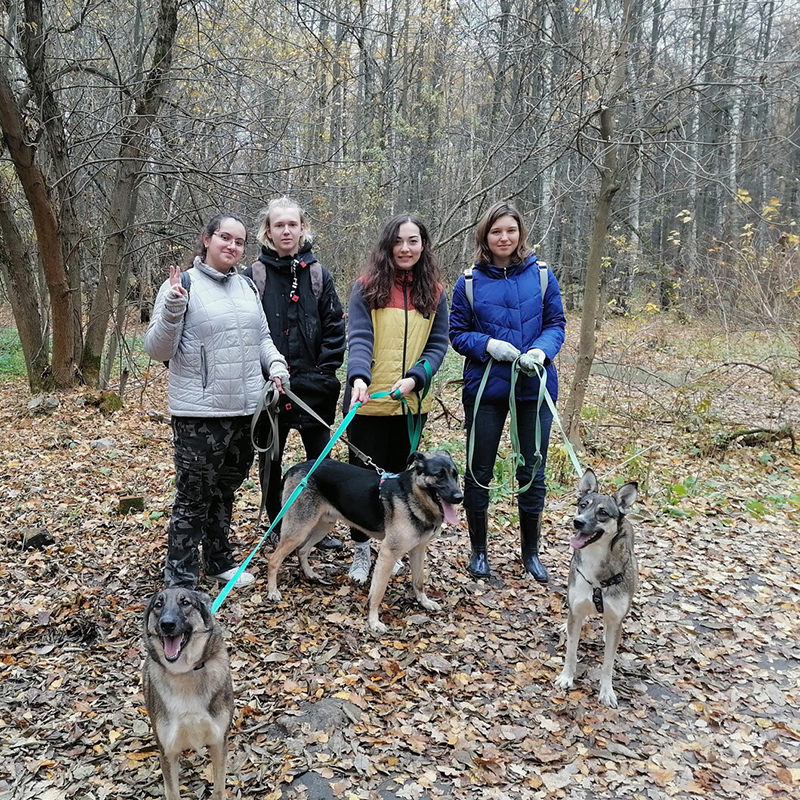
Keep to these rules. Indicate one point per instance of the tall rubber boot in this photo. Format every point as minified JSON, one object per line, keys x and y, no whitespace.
{"x":478,"y":565}
{"x":530,"y":530}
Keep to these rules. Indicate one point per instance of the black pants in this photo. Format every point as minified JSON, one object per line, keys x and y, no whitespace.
{"x":314,"y":438}
{"x":490,"y":422}
{"x":212,"y":458}
{"x":385,"y":441}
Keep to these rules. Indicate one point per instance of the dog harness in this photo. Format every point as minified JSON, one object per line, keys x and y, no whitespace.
{"x":597,"y":591}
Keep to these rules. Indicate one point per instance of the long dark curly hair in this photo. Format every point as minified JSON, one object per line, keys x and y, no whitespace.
{"x":379,"y":274}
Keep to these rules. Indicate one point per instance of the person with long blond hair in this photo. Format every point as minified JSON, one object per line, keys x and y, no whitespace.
{"x":308,"y":327}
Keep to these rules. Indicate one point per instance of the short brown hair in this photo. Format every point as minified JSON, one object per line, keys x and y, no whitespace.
{"x":483,"y":255}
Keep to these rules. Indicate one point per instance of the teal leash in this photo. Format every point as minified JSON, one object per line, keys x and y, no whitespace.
{"x":220,"y":598}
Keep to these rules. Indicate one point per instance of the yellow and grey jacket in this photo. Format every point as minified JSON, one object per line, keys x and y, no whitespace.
{"x":389,"y":343}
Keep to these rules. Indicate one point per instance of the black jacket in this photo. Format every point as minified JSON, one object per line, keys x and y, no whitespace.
{"x":308,"y":331}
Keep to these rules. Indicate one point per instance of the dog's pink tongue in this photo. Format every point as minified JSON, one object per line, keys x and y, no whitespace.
{"x":172,"y":646}
{"x":576,"y":542}
{"x":450,"y":516}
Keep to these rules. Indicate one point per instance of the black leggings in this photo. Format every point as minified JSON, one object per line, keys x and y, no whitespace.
{"x":314,"y":437}
{"x":385,"y":441}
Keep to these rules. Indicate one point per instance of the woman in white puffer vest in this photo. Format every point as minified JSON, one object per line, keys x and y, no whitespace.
{"x":210,"y":325}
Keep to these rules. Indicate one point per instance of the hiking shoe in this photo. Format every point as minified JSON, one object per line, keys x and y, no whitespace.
{"x":362,"y":563}
{"x":330,"y":543}
{"x":245,"y":579}
{"x":398,"y":567}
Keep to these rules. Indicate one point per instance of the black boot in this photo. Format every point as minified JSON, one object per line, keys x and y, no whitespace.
{"x":530,"y":529}
{"x":478,"y":566}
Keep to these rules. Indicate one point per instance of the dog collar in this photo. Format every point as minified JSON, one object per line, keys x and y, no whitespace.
{"x":597,"y":591}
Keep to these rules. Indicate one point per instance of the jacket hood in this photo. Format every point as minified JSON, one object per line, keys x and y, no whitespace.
{"x":494,"y":271}
{"x":270,"y":258}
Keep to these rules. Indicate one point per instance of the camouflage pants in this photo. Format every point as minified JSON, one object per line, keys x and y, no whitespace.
{"x":212,"y":458}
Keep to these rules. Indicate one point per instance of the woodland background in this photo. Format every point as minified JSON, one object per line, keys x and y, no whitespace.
{"x":653,"y":145}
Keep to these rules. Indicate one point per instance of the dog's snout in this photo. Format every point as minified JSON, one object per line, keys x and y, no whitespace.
{"x":168,"y":623}
{"x":458,"y":497}
{"x":579,"y":523}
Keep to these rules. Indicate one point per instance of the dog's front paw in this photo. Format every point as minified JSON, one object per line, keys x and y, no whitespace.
{"x":428,"y":604}
{"x":607,"y":697}
{"x":274,"y":595}
{"x":377,"y":627}
{"x":564,"y":680}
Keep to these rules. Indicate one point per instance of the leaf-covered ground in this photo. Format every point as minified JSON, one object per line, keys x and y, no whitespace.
{"x":459,"y":703}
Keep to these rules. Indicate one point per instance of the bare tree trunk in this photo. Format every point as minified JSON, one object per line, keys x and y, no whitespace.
{"x":17,"y":270}
{"x":46,"y":225}
{"x":34,"y":34}
{"x":132,"y":152}
{"x":609,"y":186}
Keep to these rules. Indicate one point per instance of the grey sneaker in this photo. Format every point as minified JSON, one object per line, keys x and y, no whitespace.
{"x":245,"y":579}
{"x":398,"y":567}
{"x":362,"y":563}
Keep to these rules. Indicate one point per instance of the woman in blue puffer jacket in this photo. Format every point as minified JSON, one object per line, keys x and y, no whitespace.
{"x":507,"y":320}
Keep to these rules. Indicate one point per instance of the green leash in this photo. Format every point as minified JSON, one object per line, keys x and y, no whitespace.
{"x":415,"y":418}
{"x":517,"y":459}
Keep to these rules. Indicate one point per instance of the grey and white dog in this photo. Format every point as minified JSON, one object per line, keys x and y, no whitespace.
{"x":187,"y":684}
{"x":602,"y":575}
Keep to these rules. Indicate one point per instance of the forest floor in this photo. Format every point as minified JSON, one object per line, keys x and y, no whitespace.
{"x":458,"y":703}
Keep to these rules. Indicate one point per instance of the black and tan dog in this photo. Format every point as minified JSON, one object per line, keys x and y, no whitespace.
{"x":602,"y":575}
{"x":406,"y":511}
{"x":187,"y":685}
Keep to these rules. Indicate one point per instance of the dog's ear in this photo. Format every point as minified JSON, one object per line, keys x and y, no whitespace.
{"x":203,"y":602}
{"x":626,"y":496}
{"x":417,"y":459}
{"x":588,"y":483}
{"x":150,"y":603}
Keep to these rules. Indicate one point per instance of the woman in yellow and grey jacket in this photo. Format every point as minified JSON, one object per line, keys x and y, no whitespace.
{"x":397,"y":319}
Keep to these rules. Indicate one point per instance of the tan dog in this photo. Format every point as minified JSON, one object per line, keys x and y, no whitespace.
{"x":187,"y":684}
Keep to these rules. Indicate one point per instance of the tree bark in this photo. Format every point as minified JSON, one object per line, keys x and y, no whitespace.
{"x":17,"y":268}
{"x":131,"y":160}
{"x":46,"y":225}
{"x":609,"y":186}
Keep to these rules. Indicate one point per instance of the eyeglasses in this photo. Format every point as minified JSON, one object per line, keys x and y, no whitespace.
{"x":228,"y":239}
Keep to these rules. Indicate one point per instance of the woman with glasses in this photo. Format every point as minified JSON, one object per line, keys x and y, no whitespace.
{"x":209,"y":324}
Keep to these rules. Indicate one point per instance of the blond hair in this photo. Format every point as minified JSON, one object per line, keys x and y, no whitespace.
{"x":280,"y":203}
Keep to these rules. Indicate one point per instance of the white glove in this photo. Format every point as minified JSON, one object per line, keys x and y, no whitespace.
{"x":501,"y":351}
{"x":279,"y":370}
{"x":533,"y":357}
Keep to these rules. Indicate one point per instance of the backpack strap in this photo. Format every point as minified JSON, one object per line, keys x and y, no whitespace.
{"x":186,"y":281}
{"x":315,"y":271}
{"x":252,"y":285}
{"x":259,"y":272}
{"x":468,"y":287}
{"x":543,"y":278}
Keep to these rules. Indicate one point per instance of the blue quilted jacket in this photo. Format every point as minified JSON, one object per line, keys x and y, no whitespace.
{"x":508,"y":306}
